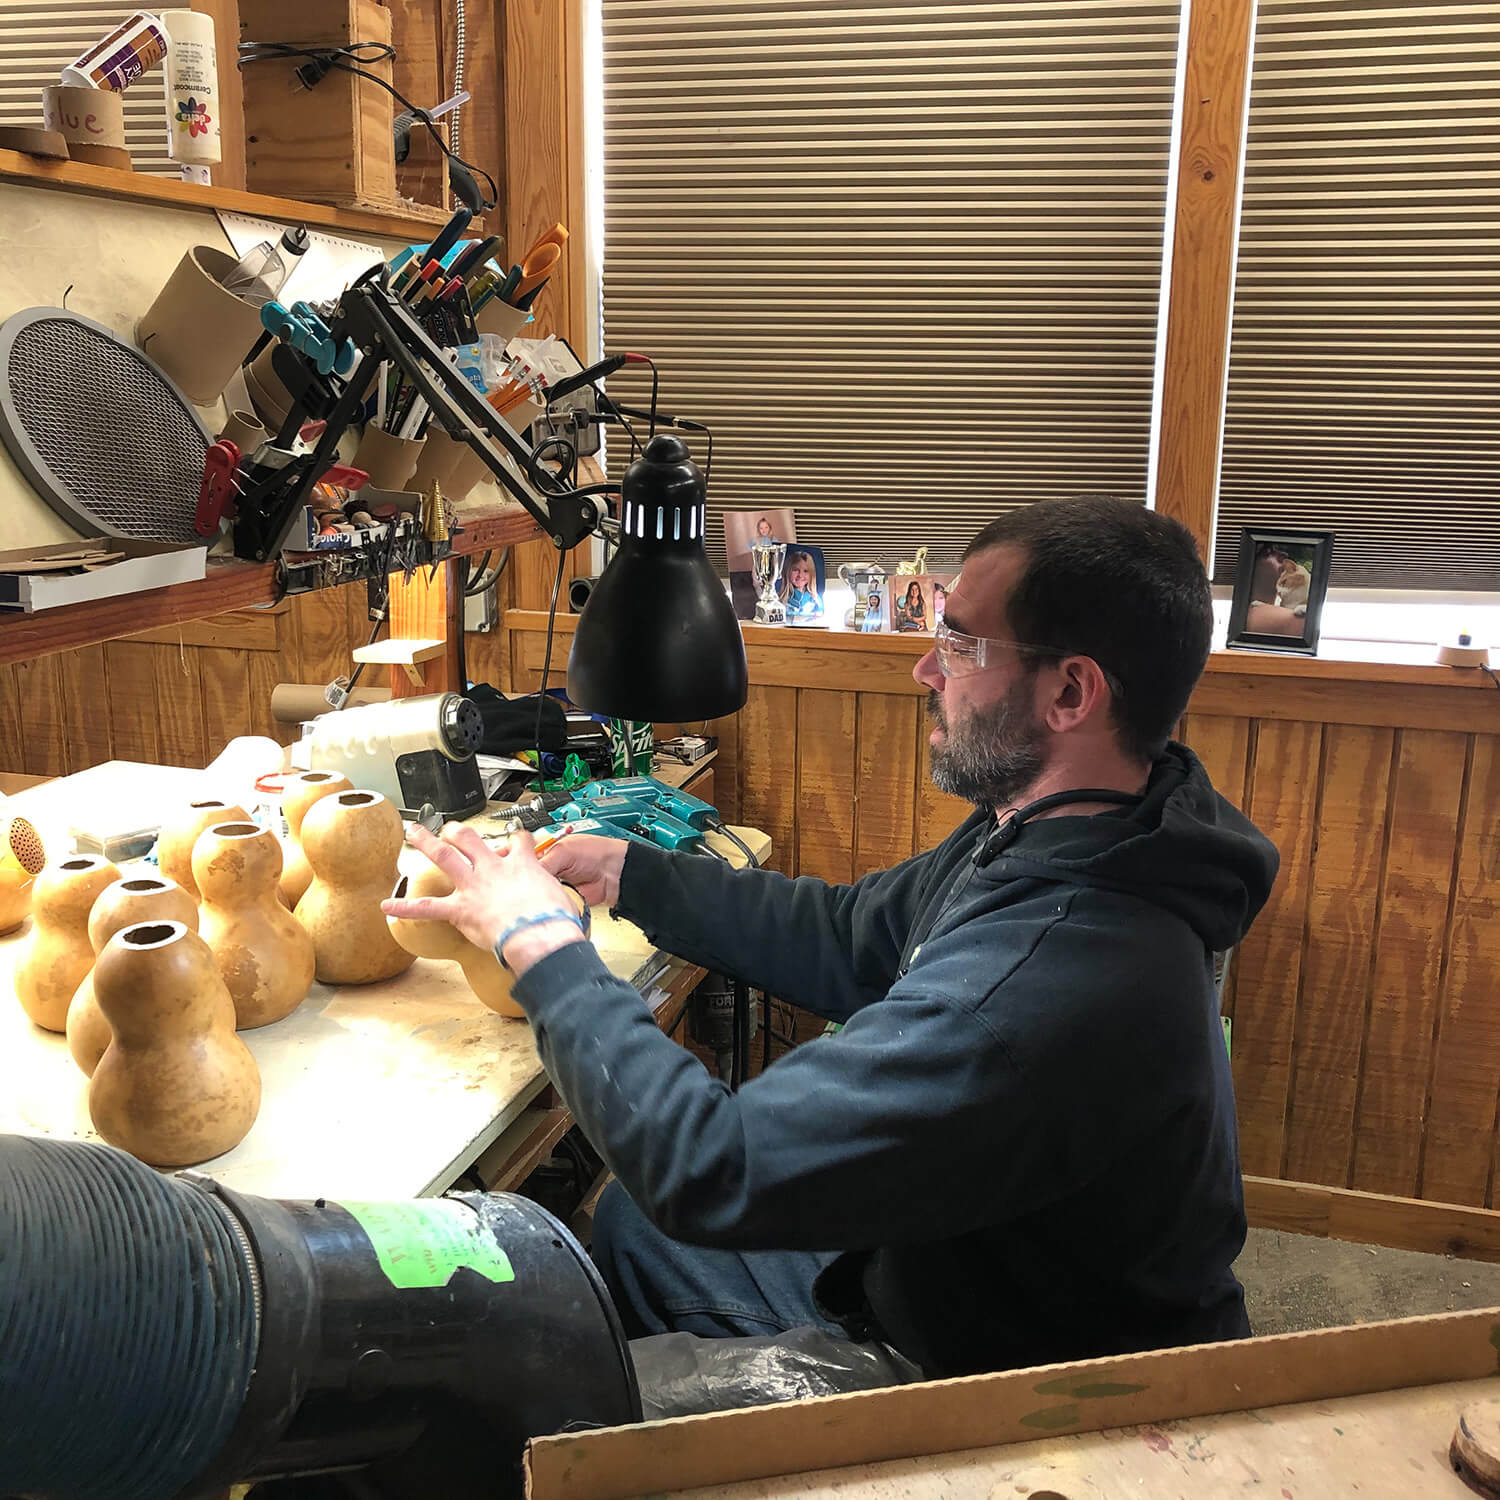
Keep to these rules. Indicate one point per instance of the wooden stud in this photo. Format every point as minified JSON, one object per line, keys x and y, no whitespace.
{"x":1201,"y":290}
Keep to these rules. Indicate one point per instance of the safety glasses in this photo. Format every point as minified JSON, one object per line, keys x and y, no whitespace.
{"x":959,"y":655}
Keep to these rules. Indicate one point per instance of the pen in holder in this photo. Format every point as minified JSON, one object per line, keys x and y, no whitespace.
{"x":195,"y":332}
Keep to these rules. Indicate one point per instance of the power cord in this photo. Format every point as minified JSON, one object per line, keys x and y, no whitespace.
{"x":356,"y":58}
{"x":541,"y":697}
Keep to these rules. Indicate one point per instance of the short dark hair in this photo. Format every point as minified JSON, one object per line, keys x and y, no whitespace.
{"x":1109,"y":579}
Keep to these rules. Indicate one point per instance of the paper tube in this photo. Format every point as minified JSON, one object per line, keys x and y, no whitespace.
{"x":295,"y":702}
{"x":85,"y":117}
{"x":196,"y":332}
{"x":387,"y":459}
{"x":245,"y":430}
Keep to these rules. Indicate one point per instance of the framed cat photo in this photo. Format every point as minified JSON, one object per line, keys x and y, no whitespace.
{"x":1279,"y":589}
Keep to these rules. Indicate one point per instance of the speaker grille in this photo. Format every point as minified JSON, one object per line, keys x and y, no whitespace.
{"x":100,"y":432}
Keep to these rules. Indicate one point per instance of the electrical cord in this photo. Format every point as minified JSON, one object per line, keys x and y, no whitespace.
{"x":718,"y":826}
{"x":541,"y":697}
{"x":486,"y":581}
{"x":354,"y":59}
{"x":456,"y":118}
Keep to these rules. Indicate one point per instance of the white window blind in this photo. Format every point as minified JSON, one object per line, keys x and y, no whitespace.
{"x":38,"y":40}
{"x":1364,"y":375}
{"x":903,"y":259}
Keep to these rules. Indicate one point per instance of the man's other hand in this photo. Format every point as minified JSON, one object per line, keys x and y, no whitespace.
{"x":590,"y":862}
{"x":492,"y":890}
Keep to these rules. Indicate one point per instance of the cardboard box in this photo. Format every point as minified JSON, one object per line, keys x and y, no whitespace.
{"x":146,"y":565}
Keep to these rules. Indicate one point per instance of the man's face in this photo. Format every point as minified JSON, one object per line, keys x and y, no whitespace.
{"x":989,"y":743}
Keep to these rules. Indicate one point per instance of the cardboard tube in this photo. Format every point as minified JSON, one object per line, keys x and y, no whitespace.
{"x":245,"y":430}
{"x":85,"y":117}
{"x":195,"y":331}
{"x":294,"y":702}
{"x":453,"y":465}
{"x":387,"y":459}
{"x":501,"y":318}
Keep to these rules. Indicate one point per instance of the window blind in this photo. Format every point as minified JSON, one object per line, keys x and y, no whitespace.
{"x":38,"y":40}
{"x":904,"y":260}
{"x":1364,"y":374}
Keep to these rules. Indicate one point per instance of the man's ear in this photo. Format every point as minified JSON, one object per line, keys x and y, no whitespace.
{"x":1079,"y":695}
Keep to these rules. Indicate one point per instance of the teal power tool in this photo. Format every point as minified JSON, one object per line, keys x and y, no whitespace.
{"x":638,"y":807}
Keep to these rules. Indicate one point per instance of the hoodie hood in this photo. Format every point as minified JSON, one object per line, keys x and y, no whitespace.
{"x":1182,"y":847}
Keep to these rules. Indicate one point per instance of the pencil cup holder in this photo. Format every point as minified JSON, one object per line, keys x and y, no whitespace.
{"x":387,"y":459}
{"x":501,"y":318}
{"x":196,"y":332}
{"x":454,"y":465}
{"x":245,"y":430}
{"x":519,"y":418}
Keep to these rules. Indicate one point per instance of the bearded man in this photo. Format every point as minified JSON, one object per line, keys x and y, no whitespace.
{"x":1020,"y":1148}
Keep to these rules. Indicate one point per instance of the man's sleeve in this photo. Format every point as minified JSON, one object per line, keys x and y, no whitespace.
{"x":919,"y":1120}
{"x":830,"y":949}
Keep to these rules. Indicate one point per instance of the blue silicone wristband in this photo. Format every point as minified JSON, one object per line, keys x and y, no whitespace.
{"x":521,"y":924}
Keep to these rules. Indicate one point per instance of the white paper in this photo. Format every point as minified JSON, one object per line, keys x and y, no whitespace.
{"x":330,"y":264}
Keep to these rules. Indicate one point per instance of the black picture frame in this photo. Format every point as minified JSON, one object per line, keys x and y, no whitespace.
{"x":1312,"y":550}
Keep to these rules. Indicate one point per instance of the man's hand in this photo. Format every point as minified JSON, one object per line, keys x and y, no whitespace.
{"x":492,"y":889}
{"x":590,"y":862}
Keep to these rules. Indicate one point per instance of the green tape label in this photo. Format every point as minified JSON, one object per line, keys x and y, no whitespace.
{"x":421,"y":1244}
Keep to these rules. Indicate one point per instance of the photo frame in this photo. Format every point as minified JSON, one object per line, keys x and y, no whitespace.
{"x":804,"y":584}
{"x":916,"y":602}
{"x":741,"y":530}
{"x":1280,"y":585}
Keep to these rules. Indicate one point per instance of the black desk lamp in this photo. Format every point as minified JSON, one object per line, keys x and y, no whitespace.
{"x":658,"y":639}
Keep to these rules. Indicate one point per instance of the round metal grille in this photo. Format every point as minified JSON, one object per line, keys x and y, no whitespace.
{"x":104,"y":437}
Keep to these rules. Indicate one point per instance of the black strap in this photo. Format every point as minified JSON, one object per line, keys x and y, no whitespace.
{"x":1010,"y":829}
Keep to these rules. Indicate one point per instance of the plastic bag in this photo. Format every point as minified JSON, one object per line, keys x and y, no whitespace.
{"x":682,"y":1375}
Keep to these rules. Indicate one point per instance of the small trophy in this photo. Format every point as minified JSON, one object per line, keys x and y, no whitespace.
{"x":766,"y":559}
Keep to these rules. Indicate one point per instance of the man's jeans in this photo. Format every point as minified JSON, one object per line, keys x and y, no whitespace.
{"x":661,"y":1286}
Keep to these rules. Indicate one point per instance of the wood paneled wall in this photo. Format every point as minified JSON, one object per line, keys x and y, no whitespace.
{"x":174,"y":695}
{"x":1366,"y":999}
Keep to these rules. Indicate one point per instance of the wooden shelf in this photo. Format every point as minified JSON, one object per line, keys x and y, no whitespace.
{"x":1340,"y":661}
{"x":229,"y":585}
{"x":408,"y":221}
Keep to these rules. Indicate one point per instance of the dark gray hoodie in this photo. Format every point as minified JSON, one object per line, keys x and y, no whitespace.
{"x":1023,"y":1138}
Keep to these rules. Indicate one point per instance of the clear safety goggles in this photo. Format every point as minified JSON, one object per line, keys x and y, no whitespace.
{"x":959,"y":655}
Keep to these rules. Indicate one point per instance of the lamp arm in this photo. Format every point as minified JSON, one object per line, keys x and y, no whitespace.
{"x":381,"y":324}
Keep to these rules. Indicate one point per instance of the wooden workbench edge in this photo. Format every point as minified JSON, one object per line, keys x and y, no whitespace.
{"x":1016,"y":1406}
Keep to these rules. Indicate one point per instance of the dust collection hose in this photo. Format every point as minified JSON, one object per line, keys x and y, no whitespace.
{"x":162,"y":1337}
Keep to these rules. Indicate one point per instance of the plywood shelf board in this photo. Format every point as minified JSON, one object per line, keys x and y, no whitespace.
{"x":405,"y":220}
{"x":228,"y":586}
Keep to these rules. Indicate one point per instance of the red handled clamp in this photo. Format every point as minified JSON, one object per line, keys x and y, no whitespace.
{"x":218,"y":492}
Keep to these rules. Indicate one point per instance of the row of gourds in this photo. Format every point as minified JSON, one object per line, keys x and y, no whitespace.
{"x":151,"y":975}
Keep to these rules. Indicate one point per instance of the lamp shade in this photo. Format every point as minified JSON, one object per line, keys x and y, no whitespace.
{"x":658,"y":639}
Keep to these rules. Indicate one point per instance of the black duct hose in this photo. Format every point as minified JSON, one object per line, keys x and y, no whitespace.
{"x":127,"y":1325}
{"x":164,"y":1337}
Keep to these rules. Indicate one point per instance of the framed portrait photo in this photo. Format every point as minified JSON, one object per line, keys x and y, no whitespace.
{"x":1279,"y":589}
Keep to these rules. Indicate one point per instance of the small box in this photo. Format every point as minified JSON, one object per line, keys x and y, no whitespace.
{"x":332,"y":143}
{"x":305,"y":535}
{"x":146,"y":565}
